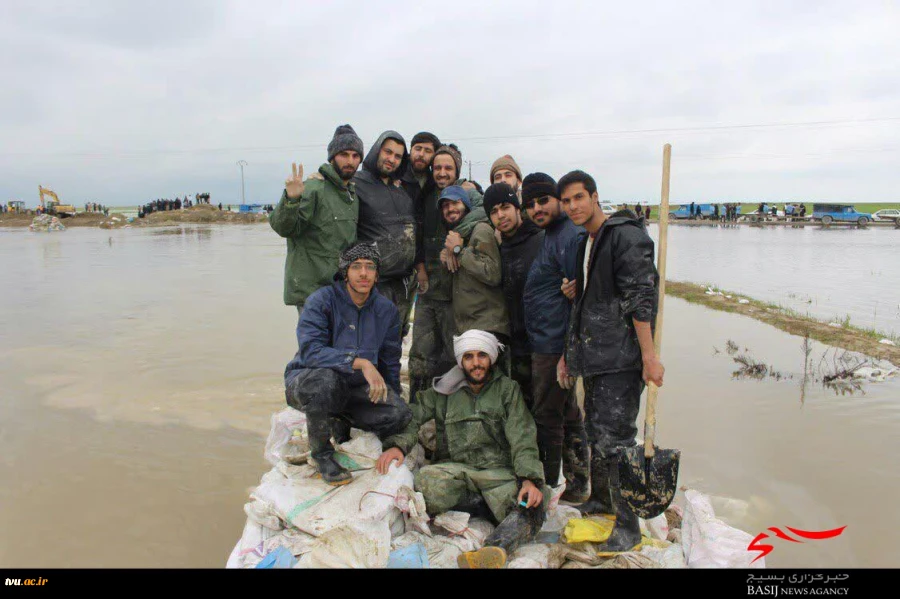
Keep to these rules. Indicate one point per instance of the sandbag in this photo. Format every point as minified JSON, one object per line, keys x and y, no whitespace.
{"x":710,"y":543}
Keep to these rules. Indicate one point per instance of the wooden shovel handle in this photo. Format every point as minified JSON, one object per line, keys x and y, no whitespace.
{"x":653,"y":391}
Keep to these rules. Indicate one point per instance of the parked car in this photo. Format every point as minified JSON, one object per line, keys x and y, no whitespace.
{"x":887,"y":214}
{"x":706,"y":211}
{"x":828,"y":213}
{"x":608,"y":209}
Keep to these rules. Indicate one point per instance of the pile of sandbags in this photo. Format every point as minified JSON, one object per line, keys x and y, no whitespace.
{"x":45,"y":223}
{"x":294,"y":519}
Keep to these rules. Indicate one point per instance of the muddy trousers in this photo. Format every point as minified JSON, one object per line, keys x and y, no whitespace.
{"x":431,"y":354}
{"x":611,"y":404}
{"x":561,"y":432}
{"x":323,"y":394}
{"x":397,"y":291}
{"x":448,"y":484}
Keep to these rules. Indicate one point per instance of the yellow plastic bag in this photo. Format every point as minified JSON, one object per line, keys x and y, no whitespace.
{"x":588,"y":530}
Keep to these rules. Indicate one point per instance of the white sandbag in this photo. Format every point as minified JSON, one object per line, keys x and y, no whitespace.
{"x":250,"y":549}
{"x":557,"y":519}
{"x":263,"y":514}
{"x":370,"y":496}
{"x":442,"y":552}
{"x":542,"y":556}
{"x":466,"y":532}
{"x":669,"y":557}
{"x":282,"y":443}
{"x":710,"y":543}
{"x":288,"y":497}
{"x":295,"y":541}
{"x":358,"y":544}
{"x":656,"y":528}
{"x":360,"y":452}
{"x":412,"y":505}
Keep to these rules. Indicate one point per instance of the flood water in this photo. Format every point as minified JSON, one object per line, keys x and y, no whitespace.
{"x":139,"y":369}
{"x":824,"y":273}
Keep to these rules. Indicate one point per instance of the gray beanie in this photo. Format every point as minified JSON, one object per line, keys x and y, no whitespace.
{"x":345,"y":138}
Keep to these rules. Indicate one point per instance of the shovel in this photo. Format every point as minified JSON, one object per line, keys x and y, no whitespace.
{"x":648,"y":476}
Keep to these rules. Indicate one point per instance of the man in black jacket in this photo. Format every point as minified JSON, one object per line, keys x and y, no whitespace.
{"x":387,"y":217}
{"x":419,"y":184}
{"x":522,"y":241}
{"x":610,"y":341}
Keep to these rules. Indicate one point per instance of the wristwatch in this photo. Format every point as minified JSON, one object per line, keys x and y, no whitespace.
{"x":457,"y":249}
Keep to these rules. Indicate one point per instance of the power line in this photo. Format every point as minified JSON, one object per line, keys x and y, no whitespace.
{"x":569,"y":135}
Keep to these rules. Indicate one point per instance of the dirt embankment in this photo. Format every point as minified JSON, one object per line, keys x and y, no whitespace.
{"x":844,"y":336}
{"x":203,"y":214}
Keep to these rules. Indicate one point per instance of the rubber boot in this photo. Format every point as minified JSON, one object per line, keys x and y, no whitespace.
{"x":600,"y":500}
{"x":626,"y":533}
{"x":576,"y":468}
{"x":475,"y":505}
{"x":551,"y":459}
{"x":519,"y":527}
{"x":340,"y":430}
{"x":322,"y":452}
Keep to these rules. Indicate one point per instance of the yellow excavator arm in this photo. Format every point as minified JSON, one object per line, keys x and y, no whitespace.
{"x":53,"y":205}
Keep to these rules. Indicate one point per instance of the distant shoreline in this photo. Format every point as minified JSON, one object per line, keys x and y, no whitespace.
{"x":201,"y":214}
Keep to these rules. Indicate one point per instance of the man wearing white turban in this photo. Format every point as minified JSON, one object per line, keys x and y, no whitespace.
{"x":486,"y":462}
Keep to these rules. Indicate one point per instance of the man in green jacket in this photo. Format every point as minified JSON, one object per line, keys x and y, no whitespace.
{"x":318,"y":218}
{"x":486,"y":462}
{"x":478,"y":301}
{"x":431,"y":353}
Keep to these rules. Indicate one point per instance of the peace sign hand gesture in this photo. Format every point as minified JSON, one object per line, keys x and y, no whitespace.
{"x":293,"y":185}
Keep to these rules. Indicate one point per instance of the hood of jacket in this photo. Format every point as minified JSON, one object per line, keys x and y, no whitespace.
{"x":327,"y":171}
{"x":370,"y":164}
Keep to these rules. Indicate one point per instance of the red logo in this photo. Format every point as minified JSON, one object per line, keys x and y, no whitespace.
{"x":764,"y":550}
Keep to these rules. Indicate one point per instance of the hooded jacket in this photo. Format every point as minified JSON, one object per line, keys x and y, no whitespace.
{"x":435,"y":235}
{"x":318,"y":226}
{"x":387,"y":213}
{"x":546,"y":308}
{"x":418,"y":193}
{"x":493,"y":429}
{"x":333,"y":332}
{"x":517,"y":254}
{"x":478,"y":301}
{"x":622,"y":285}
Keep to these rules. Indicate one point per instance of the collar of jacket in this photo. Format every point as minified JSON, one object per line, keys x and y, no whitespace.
{"x":331,"y":175}
{"x":340,"y":289}
{"x":559,"y":222}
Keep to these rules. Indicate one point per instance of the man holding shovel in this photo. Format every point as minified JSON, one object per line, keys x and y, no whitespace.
{"x":610,"y":342}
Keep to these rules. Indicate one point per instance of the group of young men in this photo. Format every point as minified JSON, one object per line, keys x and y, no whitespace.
{"x":517,"y":291}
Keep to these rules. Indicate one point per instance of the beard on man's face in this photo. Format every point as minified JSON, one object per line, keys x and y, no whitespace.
{"x":478,"y":375}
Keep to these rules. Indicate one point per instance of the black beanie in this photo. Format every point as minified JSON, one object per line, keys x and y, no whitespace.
{"x":426,"y":138}
{"x":345,"y":138}
{"x":537,"y":185}
{"x":499,"y":193}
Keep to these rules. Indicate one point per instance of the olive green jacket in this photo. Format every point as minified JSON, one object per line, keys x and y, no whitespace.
{"x":491,"y":430}
{"x":318,"y":226}
{"x":478,"y":300}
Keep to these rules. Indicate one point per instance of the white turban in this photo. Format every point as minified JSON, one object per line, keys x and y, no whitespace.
{"x":475,"y":340}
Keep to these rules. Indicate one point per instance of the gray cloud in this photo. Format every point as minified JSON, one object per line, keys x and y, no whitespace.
{"x":122,"y":103}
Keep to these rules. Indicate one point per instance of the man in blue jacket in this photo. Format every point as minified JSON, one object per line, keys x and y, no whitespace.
{"x":561,"y":434}
{"x":348,"y":364}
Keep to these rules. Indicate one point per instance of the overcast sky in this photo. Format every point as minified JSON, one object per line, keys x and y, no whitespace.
{"x":124,"y":102}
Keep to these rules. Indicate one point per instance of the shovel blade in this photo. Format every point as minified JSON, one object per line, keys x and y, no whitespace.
{"x":647,"y":487}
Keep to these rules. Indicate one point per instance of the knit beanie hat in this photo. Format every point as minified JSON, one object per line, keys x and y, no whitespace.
{"x":364,"y":250}
{"x":345,"y":138}
{"x":454,"y":153}
{"x":457,"y":194}
{"x":424,"y":137}
{"x":505,"y":162}
{"x":537,"y":185}
{"x":499,"y":193}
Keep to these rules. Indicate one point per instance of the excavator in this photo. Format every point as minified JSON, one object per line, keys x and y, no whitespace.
{"x":52,"y":205}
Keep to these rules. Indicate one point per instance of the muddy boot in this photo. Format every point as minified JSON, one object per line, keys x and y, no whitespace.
{"x":551,"y":459}
{"x":340,"y":430}
{"x":520,"y":526}
{"x":626,"y":533}
{"x":474,"y":505}
{"x":322,"y":452}
{"x":576,"y":468}
{"x":600,"y":500}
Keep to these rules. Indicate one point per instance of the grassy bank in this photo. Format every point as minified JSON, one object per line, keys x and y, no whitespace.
{"x":846,"y":336}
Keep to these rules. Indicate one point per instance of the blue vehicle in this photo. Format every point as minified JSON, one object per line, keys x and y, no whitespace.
{"x":828,"y":213}
{"x":706,"y":211}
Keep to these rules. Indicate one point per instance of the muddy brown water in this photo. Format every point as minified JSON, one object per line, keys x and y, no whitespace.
{"x":140,"y":369}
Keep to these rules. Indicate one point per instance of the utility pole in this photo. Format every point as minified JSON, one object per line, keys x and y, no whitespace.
{"x":242,"y":164}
